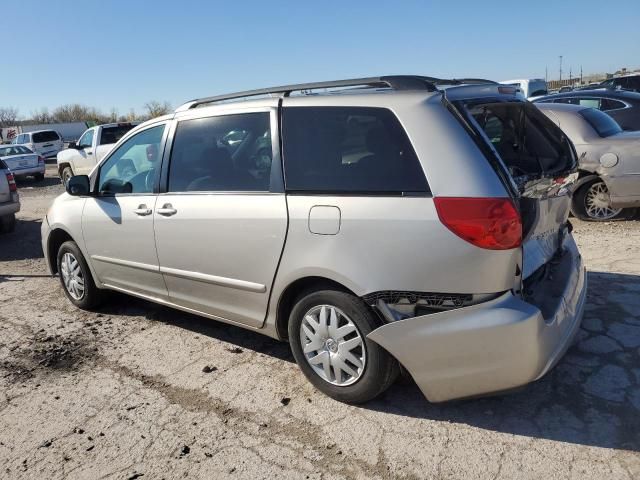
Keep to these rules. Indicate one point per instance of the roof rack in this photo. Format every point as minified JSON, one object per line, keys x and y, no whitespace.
{"x":394,"y":82}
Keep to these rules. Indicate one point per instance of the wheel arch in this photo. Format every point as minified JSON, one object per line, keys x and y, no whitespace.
{"x":56,"y":238}
{"x":62,"y":166}
{"x":294,"y":290}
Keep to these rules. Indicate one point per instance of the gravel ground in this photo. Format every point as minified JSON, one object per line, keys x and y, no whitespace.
{"x":141,"y":391}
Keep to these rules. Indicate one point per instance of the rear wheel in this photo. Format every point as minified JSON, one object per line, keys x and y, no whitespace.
{"x":8,"y":223}
{"x":592,"y":202}
{"x":66,"y":174}
{"x":328,"y":335}
{"x":75,"y":277}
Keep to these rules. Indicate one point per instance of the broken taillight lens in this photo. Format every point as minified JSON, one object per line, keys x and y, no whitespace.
{"x":491,"y":223}
{"x":12,"y":182}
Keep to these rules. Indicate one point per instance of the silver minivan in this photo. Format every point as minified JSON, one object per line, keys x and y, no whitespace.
{"x":372,"y":223}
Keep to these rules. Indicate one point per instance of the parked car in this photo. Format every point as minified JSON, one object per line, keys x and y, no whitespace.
{"x":609,"y":184}
{"x":43,"y":142}
{"x":383,"y":230}
{"x":626,"y":82}
{"x":9,"y":199}
{"x":93,"y":145}
{"x":530,"y":87}
{"x":623,"y":107}
{"x":22,"y":161}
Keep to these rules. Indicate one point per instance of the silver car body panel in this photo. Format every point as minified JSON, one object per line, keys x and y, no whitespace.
{"x":623,"y":178}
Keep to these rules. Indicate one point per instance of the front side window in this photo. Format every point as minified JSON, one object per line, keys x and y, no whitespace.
{"x":224,"y":153}
{"x":86,"y":140}
{"x":134,"y":166}
{"x":348,"y":150}
{"x":589,"y":102}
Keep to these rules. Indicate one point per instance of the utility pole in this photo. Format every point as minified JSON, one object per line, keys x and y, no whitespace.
{"x":569,"y":74}
{"x":580,"y":74}
{"x":560,"y":67}
{"x":545,"y":74}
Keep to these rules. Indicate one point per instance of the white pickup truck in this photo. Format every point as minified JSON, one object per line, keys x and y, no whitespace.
{"x":94,"y":144}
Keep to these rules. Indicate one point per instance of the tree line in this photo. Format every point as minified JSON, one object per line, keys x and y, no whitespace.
{"x":75,"y":112}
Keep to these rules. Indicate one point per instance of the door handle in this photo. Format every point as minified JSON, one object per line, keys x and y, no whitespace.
{"x":167,"y":210}
{"x":89,"y":153}
{"x":142,"y":210}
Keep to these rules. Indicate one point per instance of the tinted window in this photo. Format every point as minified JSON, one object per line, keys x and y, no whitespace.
{"x":86,"y":140}
{"x":348,"y":149}
{"x":610,"y":104}
{"x":572,"y":101}
{"x":224,"y":153}
{"x":601,"y":122}
{"x":527,"y":141}
{"x":16,"y":150}
{"x":48,"y":136}
{"x":633,"y":83}
{"x":134,"y":166}
{"x":113,"y":134}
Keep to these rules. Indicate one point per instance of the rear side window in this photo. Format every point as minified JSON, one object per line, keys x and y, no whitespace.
{"x":610,"y":104}
{"x":601,"y":122}
{"x":113,"y":134}
{"x":48,"y":136}
{"x":228,"y":153}
{"x":348,"y":150}
{"x":527,"y":141}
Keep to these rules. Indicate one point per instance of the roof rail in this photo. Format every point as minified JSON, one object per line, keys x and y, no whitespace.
{"x":394,"y":82}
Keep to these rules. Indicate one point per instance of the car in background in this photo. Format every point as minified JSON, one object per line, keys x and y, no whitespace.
{"x":43,"y":142}
{"x":9,"y":199}
{"x":22,"y":161}
{"x":626,"y":82}
{"x":93,"y":145}
{"x":622,"y":106}
{"x":530,"y":87}
{"x":609,"y":162}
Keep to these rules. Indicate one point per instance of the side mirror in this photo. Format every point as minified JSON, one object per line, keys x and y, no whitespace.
{"x":73,"y":145}
{"x":78,"y":185}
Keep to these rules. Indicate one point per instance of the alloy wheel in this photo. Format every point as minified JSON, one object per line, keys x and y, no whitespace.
{"x":332,"y":345}
{"x":597,"y":202}
{"x":72,"y":275}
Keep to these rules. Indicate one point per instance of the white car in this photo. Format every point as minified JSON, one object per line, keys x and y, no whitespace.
{"x":9,"y":199}
{"x":529,"y":87}
{"x":94,"y":144}
{"x":43,"y":142}
{"x":22,"y":162}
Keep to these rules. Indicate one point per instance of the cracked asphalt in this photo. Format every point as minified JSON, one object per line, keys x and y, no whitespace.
{"x":136,"y":390}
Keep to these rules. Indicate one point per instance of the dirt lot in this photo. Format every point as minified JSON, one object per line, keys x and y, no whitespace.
{"x":123,"y":393}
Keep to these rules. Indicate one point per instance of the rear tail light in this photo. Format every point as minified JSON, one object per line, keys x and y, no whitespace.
{"x":491,"y":223}
{"x":12,"y":182}
{"x":40,"y":159}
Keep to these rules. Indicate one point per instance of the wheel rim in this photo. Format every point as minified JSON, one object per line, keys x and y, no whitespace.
{"x":332,"y":345}
{"x":72,"y":276}
{"x":597,"y":202}
{"x":66,"y":175}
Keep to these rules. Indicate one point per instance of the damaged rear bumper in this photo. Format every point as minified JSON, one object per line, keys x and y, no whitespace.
{"x":493,"y":346}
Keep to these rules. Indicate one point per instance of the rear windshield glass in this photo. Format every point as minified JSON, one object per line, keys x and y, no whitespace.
{"x":14,"y":150}
{"x":526,"y":140}
{"x":349,"y":150}
{"x":48,"y":136}
{"x":113,"y":134}
{"x":601,"y":122}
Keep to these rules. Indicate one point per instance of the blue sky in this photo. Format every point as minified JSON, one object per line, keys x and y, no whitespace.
{"x":116,"y":53}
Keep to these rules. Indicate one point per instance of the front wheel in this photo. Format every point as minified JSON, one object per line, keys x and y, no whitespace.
{"x":328,"y":335}
{"x":66,"y":174}
{"x":592,"y":202}
{"x":75,"y":277}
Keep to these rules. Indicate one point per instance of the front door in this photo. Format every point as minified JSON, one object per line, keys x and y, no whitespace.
{"x":221,"y":224}
{"x":117,"y":222}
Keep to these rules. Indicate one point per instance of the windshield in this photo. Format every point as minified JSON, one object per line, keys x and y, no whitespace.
{"x":526,"y":140}
{"x":14,"y":150}
{"x":601,"y":122}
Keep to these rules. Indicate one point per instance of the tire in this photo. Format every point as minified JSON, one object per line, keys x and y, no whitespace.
{"x":39,"y":177}
{"x":377,"y":369}
{"x":90,"y":296}
{"x":8,"y":223}
{"x":591,"y":203}
{"x":66,"y":174}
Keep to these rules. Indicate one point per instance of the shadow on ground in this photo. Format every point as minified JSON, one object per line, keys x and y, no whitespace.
{"x":23,"y":243}
{"x":30,"y":182}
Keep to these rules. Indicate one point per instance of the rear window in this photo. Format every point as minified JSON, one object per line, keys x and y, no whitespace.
{"x":113,"y":134}
{"x":48,"y":136}
{"x":348,"y":150}
{"x":14,"y":150}
{"x":601,"y":122}
{"x":526,"y":140}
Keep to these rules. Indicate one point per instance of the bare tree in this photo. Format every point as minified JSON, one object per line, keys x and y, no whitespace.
{"x":113,"y":115}
{"x":8,"y":116}
{"x":156,"y":109}
{"x":41,"y":116}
